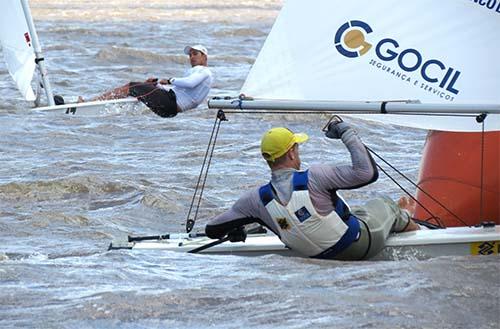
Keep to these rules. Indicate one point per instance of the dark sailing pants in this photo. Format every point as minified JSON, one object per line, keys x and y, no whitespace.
{"x":159,"y":100}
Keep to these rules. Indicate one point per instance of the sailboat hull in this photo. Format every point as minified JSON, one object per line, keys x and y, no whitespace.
{"x":89,"y":108}
{"x":461,"y":171}
{"x":423,"y":244}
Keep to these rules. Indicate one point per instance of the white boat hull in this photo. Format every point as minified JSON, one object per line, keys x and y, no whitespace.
{"x":423,"y":244}
{"x":94,"y":107}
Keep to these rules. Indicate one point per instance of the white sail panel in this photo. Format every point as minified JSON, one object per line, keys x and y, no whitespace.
{"x":431,"y":51}
{"x":16,"y":46}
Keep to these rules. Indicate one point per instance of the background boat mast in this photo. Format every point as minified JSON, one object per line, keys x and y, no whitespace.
{"x":39,"y":60}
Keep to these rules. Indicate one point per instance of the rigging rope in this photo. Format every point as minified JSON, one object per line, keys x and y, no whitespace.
{"x":438,"y":220}
{"x":204,"y":172}
{"x":480,"y":119}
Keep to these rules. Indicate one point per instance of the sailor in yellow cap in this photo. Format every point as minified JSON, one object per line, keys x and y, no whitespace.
{"x":276,"y":142}
{"x":304,"y":208}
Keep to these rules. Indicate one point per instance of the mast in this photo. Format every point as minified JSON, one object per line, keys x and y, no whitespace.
{"x":39,"y":60}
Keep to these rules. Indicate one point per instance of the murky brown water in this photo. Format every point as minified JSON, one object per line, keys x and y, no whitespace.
{"x":70,"y":184}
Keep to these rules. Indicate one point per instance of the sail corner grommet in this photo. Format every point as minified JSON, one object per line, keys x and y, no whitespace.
{"x":481,"y":117}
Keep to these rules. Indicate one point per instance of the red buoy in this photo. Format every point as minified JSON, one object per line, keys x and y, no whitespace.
{"x":461,"y":170}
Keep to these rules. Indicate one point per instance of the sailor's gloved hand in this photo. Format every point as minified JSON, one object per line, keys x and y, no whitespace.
{"x":336,"y":129}
{"x":237,"y":234}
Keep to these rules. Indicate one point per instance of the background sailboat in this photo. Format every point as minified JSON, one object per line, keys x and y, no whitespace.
{"x":20,"y":43}
{"x":436,"y":54}
{"x":23,"y":54}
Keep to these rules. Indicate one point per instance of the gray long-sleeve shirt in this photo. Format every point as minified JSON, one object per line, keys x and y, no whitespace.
{"x":323,"y":180}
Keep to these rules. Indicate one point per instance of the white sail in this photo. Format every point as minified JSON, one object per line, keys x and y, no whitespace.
{"x":440,"y":52}
{"x":17,"y":46}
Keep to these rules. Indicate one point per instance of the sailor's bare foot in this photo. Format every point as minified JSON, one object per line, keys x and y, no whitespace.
{"x":408,"y":204}
{"x":412,"y":226}
{"x":80,"y":99}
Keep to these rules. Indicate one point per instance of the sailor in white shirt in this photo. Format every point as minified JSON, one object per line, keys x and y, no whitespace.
{"x":192,"y":89}
{"x":167,"y":97}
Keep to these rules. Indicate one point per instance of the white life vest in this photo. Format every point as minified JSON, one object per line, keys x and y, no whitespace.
{"x":301,"y":228}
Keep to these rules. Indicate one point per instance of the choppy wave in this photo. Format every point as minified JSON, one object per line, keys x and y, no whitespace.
{"x":93,"y":32}
{"x":46,"y":218}
{"x":240,"y":32}
{"x":126,"y":54}
{"x":234,"y":60}
{"x":116,"y":53}
{"x":64,"y":188}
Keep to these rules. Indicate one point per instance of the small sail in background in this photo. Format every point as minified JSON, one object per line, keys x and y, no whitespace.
{"x":17,"y":46}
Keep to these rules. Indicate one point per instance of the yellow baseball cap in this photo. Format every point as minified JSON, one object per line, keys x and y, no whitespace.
{"x":277,"y":141}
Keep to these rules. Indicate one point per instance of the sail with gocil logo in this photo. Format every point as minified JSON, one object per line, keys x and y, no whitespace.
{"x":431,"y":52}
